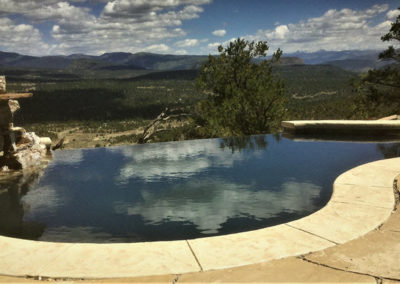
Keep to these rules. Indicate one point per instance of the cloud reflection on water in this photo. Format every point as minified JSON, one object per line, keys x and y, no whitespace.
{"x":43,"y":199}
{"x":68,"y":157}
{"x":76,"y":234}
{"x":208,"y":204}
{"x":181,"y":160}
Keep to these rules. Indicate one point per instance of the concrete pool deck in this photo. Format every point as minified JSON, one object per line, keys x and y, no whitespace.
{"x":337,"y":243}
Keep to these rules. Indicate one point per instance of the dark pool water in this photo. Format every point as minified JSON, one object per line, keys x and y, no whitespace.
{"x":177,"y":190}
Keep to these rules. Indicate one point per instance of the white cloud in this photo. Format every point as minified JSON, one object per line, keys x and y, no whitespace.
{"x":43,"y":10}
{"x":219,"y":32}
{"x":123,"y":25}
{"x":281,"y":31}
{"x":23,"y":38}
{"x":157,"y":48}
{"x":181,"y":52}
{"x":213,"y":46}
{"x":137,"y":25}
{"x":187,"y":43}
{"x":140,"y":7}
{"x":393,"y":14}
{"x":334,"y":30}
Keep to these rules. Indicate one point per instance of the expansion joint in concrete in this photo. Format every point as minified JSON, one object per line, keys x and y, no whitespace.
{"x":377,"y":278}
{"x":176,"y":279}
{"x":293,"y":227}
{"x":194,"y":255}
{"x":396,"y":190}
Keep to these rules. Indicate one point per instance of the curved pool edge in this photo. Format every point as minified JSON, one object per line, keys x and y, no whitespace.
{"x":362,"y":200}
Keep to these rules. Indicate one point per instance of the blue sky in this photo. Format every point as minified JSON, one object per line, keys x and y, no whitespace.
{"x":48,"y":27}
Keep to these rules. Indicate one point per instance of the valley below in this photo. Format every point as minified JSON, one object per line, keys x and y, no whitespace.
{"x":102,"y":101}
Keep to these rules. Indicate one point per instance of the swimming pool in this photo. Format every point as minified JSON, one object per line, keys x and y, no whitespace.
{"x":178,"y":190}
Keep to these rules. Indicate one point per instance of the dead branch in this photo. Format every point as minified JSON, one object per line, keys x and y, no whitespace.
{"x":151,"y":128}
{"x":59,"y":145}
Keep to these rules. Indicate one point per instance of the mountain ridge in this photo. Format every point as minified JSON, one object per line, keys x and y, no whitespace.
{"x":351,"y":60}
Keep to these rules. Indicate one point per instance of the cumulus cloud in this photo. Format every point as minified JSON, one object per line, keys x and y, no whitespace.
{"x":393,"y":14}
{"x":125,"y":8}
{"x":137,"y":25}
{"x":187,"y":43}
{"x":22,"y":37}
{"x":162,"y":48}
{"x":130,"y":26}
{"x":213,"y":45}
{"x":43,"y":10}
{"x":334,"y":30}
{"x":281,"y":31}
{"x":219,"y":32}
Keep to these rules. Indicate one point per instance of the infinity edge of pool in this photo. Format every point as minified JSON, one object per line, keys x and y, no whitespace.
{"x":362,"y":200}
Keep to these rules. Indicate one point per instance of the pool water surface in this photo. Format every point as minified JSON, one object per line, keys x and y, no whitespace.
{"x":178,"y":190}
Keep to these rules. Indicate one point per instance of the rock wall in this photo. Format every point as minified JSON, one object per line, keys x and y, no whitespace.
{"x":19,"y":149}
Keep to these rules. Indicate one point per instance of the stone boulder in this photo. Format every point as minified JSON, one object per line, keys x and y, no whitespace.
{"x":7,"y":110}
{"x":29,"y":152}
{"x":2,"y":84}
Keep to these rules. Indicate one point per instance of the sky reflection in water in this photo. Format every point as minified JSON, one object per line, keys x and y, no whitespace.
{"x":182,"y":190}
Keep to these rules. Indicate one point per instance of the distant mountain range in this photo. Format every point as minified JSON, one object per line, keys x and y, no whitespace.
{"x":353,"y":60}
{"x":107,"y":61}
{"x":350,"y":60}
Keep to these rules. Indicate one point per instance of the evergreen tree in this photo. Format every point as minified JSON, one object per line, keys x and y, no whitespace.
{"x":244,"y":96}
{"x":380,"y":88}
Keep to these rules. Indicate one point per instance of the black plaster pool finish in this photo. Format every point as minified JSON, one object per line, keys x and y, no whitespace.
{"x":177,"y":190}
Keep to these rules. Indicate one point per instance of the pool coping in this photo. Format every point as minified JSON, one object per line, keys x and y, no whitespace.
{"x":347,"y":125}
{"x":362,"y":200}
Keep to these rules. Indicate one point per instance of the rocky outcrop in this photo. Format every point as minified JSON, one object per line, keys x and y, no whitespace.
{"x":19,"y":149}
{"x":2,"y":84}
{"x":27,"y":151}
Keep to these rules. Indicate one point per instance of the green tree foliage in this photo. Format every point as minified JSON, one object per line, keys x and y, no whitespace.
{"x":244,"y":96}
{"x":380,"y":89}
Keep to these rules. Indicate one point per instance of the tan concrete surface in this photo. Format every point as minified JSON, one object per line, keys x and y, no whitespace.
{"x":122,"y":260}
{"x":163,"y":279}
{"x":373,"y":175}
{"x":393,"y":224}
{"x":364,"y":195}
{"x":61,"y":260}
{"x":342,"y":222}
{"x":21,"y":257}
{"x":359,"y":194}
{"x":376,"y":254}
{"x":284,"y":270}
{"x":255,"y":246}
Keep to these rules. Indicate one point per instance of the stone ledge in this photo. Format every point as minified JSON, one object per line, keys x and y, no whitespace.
{"x":342,"y":126}
{"x":15,"y":96}
{"x":347,"y":216}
